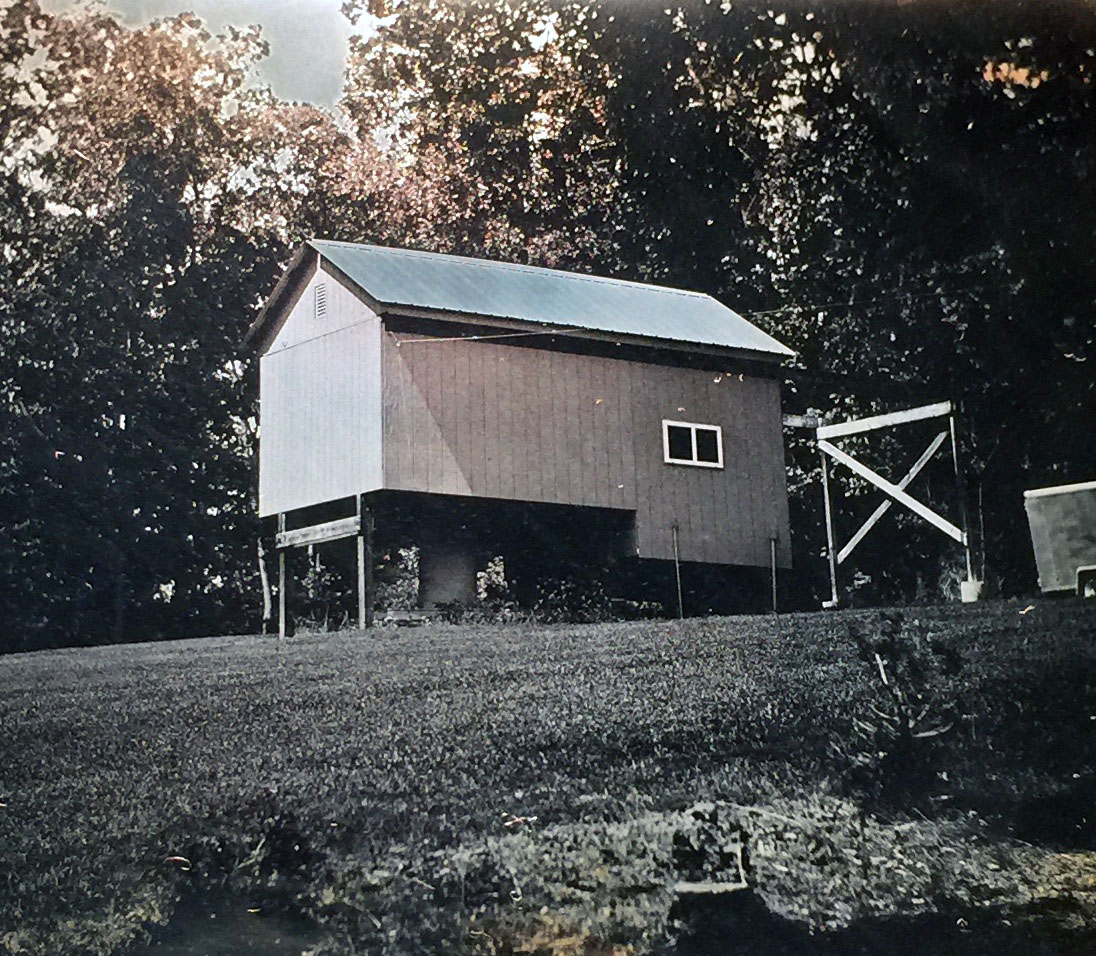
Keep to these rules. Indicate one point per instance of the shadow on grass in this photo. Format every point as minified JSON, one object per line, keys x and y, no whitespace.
{"x":1061,"y":818}
{"x":208,"y":926}
{"x":740,"y":925}
{"x":1066,"y":819}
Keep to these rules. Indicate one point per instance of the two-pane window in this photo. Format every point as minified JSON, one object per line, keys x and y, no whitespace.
{"x":690,"y":443}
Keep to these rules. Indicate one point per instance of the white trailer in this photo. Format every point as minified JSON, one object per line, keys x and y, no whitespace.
{"x":1063,"y":533}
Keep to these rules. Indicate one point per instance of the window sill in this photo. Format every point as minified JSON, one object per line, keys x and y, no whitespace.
{"x":693,"y":464}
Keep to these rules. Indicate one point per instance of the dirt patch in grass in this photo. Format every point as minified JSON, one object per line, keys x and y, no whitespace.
{"x":655,"y":880}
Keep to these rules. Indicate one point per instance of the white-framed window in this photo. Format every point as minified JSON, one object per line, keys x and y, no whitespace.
{"x":691,"y":443}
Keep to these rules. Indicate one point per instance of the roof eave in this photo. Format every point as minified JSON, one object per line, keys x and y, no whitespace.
{"x":597,"y":335}
{"x":273,"y":301}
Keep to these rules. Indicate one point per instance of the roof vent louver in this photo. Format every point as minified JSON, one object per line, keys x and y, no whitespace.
{"x":321,"y":300}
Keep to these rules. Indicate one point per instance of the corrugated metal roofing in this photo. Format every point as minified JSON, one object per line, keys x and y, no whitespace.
{"x":426,"y":280}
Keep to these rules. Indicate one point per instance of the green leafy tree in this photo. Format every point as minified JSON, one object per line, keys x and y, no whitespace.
{"x":509,"y":100}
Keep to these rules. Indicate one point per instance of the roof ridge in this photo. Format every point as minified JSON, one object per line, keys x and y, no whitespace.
{"x":514,"y":266}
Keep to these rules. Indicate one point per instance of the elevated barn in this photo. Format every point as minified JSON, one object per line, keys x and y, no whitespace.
{"x":499,"y":408}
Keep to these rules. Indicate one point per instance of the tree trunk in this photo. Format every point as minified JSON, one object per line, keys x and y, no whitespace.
{"x":268,"y":603}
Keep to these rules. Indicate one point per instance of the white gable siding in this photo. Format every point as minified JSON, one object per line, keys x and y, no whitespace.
{"x":320,"y":422}
{"x":342,"y":309}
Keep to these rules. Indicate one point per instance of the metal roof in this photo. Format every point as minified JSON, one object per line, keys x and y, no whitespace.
{"x":427,"y":280}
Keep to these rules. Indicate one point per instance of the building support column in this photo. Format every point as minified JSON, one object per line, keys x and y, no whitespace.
{"x":365,"y":565}
{"x":772,"y":565}
{"x":447,"y":573}
{"x":281,"y":581}
{"x":677,"y":574}
{"x":831,"y":550}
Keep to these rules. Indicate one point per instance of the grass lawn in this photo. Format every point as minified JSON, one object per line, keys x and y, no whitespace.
{"x":384,"y":783}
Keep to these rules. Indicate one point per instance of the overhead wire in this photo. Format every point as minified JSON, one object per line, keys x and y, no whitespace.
{"x":560,"y":330}
{"x":480,"y":338}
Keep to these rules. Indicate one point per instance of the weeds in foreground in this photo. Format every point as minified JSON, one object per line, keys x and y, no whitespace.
{"x":893,"y":748}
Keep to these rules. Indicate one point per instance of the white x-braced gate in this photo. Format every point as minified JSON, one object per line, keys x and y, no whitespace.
{"x":895,"y":491}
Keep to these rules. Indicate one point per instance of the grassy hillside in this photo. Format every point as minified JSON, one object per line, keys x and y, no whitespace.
{"x":336,"y":773}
